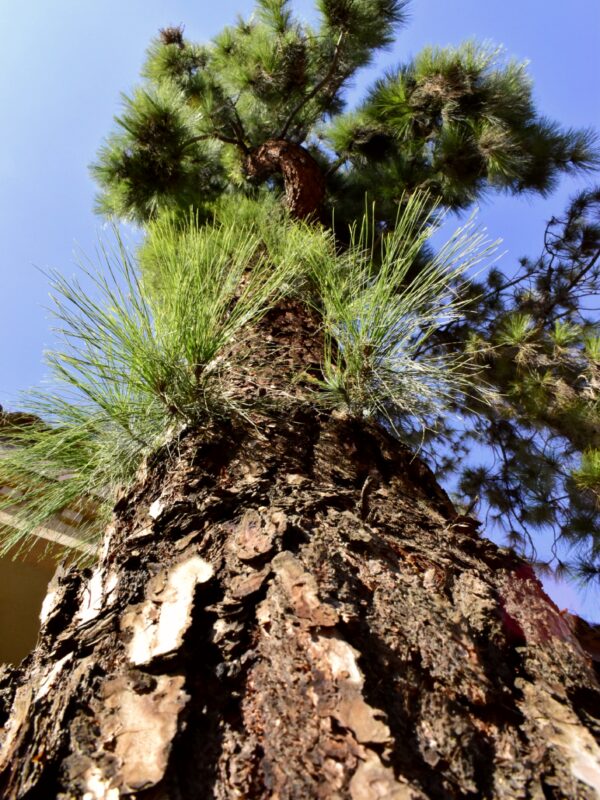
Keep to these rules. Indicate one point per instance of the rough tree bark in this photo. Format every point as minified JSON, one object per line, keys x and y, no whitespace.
{"x":294,"y":610}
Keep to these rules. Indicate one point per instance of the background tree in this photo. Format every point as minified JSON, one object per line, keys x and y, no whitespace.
{"x":537,"y":332}
{"x":286,"y":603}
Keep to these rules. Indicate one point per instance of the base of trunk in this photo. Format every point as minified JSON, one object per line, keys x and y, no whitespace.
{"x":294,"y":610}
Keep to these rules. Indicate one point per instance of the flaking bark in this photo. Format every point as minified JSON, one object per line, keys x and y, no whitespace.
{"x":256,"y":628}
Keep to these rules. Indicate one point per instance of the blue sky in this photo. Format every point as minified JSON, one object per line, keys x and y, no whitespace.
{"x":64,"y":64}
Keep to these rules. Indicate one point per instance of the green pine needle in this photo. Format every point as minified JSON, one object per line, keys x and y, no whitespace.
{"x":142,"y":356}
{"x":379,"y":320}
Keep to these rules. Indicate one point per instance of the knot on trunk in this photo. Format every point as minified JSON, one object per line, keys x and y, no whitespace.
{"x":302,"y":177}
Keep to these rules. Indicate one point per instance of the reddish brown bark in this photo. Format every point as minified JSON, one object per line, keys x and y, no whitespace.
{"x":303,"y":180}
{"x":294,"y":610}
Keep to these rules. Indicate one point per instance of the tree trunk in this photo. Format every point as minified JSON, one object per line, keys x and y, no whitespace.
{"x":302,"y":177}
{"x":292,"y":609}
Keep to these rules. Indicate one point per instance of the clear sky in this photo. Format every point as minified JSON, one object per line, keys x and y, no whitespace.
{"x":64,"y":63}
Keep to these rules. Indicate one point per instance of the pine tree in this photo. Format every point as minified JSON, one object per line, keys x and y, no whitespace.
{"x":537,"y":335}
{"x":285,"y":603}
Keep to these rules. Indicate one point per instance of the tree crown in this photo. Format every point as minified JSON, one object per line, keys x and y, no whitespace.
{"x":454,"y":121}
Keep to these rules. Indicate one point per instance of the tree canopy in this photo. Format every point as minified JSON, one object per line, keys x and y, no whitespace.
{"x":455,"y":121}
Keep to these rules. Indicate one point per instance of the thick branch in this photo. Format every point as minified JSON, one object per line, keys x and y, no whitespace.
{"x":302,"y":176}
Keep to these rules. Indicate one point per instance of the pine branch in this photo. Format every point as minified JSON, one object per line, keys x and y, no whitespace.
{"x":335,"y":166}
{"x":316,"y":89}
{"x":205,"y":137}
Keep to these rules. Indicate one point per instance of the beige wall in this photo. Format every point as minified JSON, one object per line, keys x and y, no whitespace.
{"x":23,"y":586}
{"x":24,"y":578}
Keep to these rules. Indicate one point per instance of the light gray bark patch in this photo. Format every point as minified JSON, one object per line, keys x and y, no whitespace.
{"x":373,"y":781}
{"x":97,"y":786}
{"x":254,"y":535}
{"x":157,"y":626}
{"x":139,"y":727}
{"x":350,"y":708}
{"x":92,"y":597}
{"x":156,"y":509}
{"x":475,"y":601}
{"x":50,"y":678}
{"x":14,"y":730}
{"x":144,"y":532}
{"x":559,"y":726}
{"x":301,"y":590}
